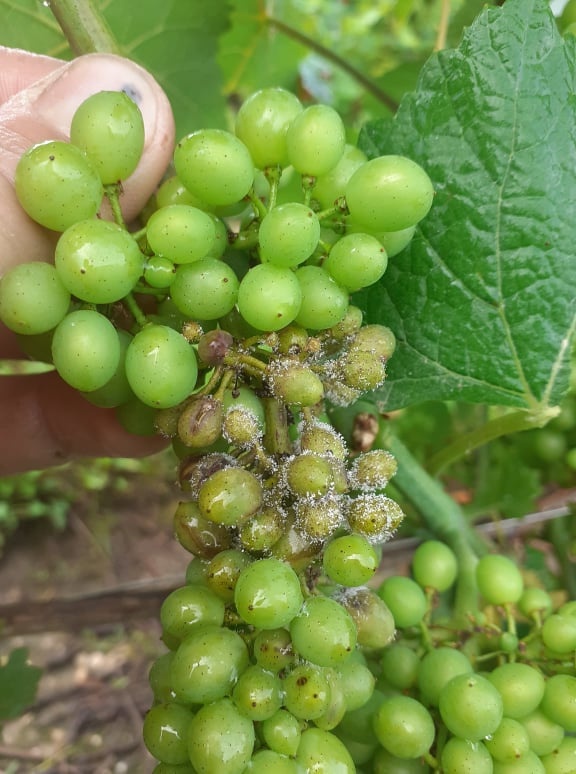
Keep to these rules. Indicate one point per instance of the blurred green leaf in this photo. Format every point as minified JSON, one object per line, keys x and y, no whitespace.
{"x":18,"y":684}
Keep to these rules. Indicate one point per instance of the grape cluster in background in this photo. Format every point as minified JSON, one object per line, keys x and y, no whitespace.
{"x":224,"y":322}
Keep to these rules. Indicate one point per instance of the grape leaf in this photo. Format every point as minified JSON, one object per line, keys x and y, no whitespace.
{"x":176,"y":43}
{"x":483,"y":301}
{"x":18,"y":684}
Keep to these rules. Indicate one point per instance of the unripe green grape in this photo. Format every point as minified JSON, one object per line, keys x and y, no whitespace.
{"x":241,"y":427}
{"x":220,"y":739}
{"x":281,"y":290}
{"x":136,"y":417}
{"x":404,"y":727}
{"x":268,"y":594}
{"x":215,"y":166}
{"x":262,"y":530}
{"x":545,"y":735}
{"x":288,"y":235}
{"x":356,"y":261}
{"x":159,"y":272}
{"x":164,"y":732}
{"x":559,"y":701}
{"x":98,"y":261}
{"x":322,"y":438}
{"x":258,"y":693}
{"x":33,"y":298}
{"x":292,"y":340}
{"x":348,"y":325}
{"x":437,"y":668}
{"x":357,"y":724}
{"x":295,"y":547}
{"x":294,"y":383}
{"x":182,"y":233}
{"x":331,"y":185}
{"x":350,"y":560}
{"x":400,"y":666}
{"x":392,"y":241}
{"x":324,"y":302}
{"x":315,"y":140}
{"x":357,"y":682}
{"x":499,"y":579}
{"x":471,"y":707}
{"x":273,"y":649}
{"x":317,"y":518}
{"x":568,"y":609}
{"x":306,"y":691}
{"x":459,"y":756}
{"x":322,"y":752}
{"x":200,"y":422}
{"x":378,"y":340}
{"x":534,"y":601}
{"x":562,"y":760}
{"x":173,"y":191}
{"x":375,"y":516}
{"x":282,"y":732}
{"x":205,"y":290}
{"x":434,"y":565}
{"x":360,"y":372}
{"x":559,"y":633}
{"x":360,"y":753}
{"x":109,"y":128}
{"x":189,"y":607}
{"x":196,"y":571}
{"x":57,"y":185}
{"x":389,"y":193}
{"x":374,"y":622}
{"x":372,"y":470}
{"x":509,"y":742}
{"x":159,"y":678}
{"x":161,"y":366}
{"x":406,"y":600}
{"x":220,"y":240}
{"x":336,"y":708}
{"x":207,"y":664}
{"x":262,"y":122}
{"x":86,"y":350}
{"x":323,"y":632}
{"x":529,"y":763}
{"x":223,"y":571}
{"x":266,"y":761}
{"x":308,"y":474}
{"x":230,"y":496}
{"x":200,"y":536}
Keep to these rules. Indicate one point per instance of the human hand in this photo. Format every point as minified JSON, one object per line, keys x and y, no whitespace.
{"x":43,"y":421}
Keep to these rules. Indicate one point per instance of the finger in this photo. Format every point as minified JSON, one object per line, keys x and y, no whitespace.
{"x":19,"y":69}
{"x":44,"y":111}
{"x":43,"y":422}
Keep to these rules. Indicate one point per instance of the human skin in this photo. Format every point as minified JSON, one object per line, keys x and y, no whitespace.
{"x":43,"y":421}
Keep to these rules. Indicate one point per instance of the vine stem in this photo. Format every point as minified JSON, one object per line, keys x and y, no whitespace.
{"x":513,"y":422}
{"x":84,"y":27}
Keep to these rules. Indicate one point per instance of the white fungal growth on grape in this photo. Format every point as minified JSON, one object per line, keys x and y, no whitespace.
{"x":340,"y":394}
{"x":372,"y":470}
{"x":241,"y":427}
{"x":322,"y":438}
{"x":319,"y":517}
{"x":375,"y":516}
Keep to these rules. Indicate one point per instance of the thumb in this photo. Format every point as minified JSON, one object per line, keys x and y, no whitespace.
{"x":43,"y":111}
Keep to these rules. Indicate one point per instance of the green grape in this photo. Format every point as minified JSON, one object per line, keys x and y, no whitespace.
{"x":315,"y":140}
{"x":322,"y":438}
{"x":336,"y":708}
{"x":563,"y":759}
{"x":406,"y":600}
{"x":544,"y":735}
{"x":273,"y":649}
{"x":499,"y":580}
{"x":205,"y":290}
{"x":356,"y":261}
{"x":201,"y":537}
{"x":282,"y":732}
{"x":322,"y":752}
{"x":57,"y":185}
{"x":350,"y":560}
{"x":187,"y":608}
{"x":400,"y":666}
{"x":357,"y":724}
{"x":164,"y":731}
{"x":294,"y":383}
{"x":437,"y":668}
{"x":308,"y":474}
{"x":330,"y":186}
{"x":360,"y":372}
{"x":559,"y":633}
{"x":207,"y":664}
{"x":389,"y":193}
{"x":280,"y":288}
{"x":33,"y":298}
{"x":173,"y":191}
{"x":215,"y":166}
{"x":161,"y":366}
{"x":243,"y":396}
{"x":258,"y":693}
{"x":160,"y":679}
{"x":220,"y":739}
{"x":182,"y":233}
{"x":174,"y":768}
{"x":263,"y":529}
{"x":230,"y":496}
{"x":262,"y":122}
{"x":136,"y":417}
{"x":323,"y":632}
{"x":306,"y":691}
{"x":324,"y":302}
{"x":509,"y":742}
{"x":527,"y":764}
{"x":220,"y":240}
{"x":196,"y":571}
{"x":242,"y":428}
{"x":357,"y":682}
{"x":392,"y":241}
{"x":288,"y":235}
{"x":159,"y":272}
{"x":375,"y":516}
{"x":534,"y":601}
{"x":404,"y":727}
{"x":374,"y":622}
{"x":223,"y":572}
{"x":268,"y":594}
{"x":372,"y":470}
{"x":378,"y":340}
{"x":109,"y":128}
{"x":267,"y":761}
{"x":559,"y":701}
{"x":348,"y":325}
{"x":471,"y":707}
{"x":86,"y":350}
{"x":116,"y":391}
{"x":459,"y":756}
{"x":98,"y":261}
{"x":434,"y":565}
{"x":318,"y":517}
{"x":386,"y":763}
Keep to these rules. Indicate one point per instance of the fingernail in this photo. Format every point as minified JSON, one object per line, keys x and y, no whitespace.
{"x":63,"y":91}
